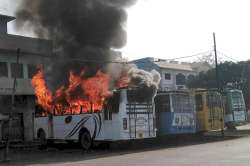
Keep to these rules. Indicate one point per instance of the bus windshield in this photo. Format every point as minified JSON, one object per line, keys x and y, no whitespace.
{"x":140,"y":95}
{"x":214,"y":100}
{"x":182,"y":103}
{"x":237,"y":100}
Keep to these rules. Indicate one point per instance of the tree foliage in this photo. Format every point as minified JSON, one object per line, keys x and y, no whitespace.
{"x":236,"y":75}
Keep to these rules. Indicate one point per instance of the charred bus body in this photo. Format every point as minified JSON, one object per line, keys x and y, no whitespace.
{"x":175,"y":112}
{"x":210,"y":110}
{"x":235,"y":110}
{"x":122,"y":118}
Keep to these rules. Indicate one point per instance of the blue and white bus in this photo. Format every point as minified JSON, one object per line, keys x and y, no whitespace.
{"x":175,"y":112}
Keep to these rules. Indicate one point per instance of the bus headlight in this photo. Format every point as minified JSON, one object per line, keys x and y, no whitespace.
{"x":125,"y":124}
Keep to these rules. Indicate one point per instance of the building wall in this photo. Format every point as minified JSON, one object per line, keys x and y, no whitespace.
{"x":149,"y":65}
{"x":33,"y":52}
{"x":166,"y":84}
{"x":23,"y":86}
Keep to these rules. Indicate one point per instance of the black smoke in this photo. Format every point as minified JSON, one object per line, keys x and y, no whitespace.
{"x":146,"y":83}
{"x":80,"y":29}
{"x":85,"y":34}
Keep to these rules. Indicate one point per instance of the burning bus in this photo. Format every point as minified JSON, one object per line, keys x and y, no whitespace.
{"x":86,"y":110}
{"x":122,"y":118}
{"x":86,"y":71}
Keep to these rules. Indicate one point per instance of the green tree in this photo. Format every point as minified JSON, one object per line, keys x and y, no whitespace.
{"x":230,"y":73}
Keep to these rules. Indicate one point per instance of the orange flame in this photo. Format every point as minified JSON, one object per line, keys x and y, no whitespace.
{"x":80,"y":95}
{"x":44,"y":96}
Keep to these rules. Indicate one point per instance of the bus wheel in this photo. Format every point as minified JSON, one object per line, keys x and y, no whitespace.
{"x":85,"y":140}
{"x":42,"y":140}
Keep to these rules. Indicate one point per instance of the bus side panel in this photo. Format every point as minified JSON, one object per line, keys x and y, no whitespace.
{"x":183,"y":122}
{"x":177,"y":123}
{"x":41,"y":123}
{"x":68,"y":127}
{"x":218,"y":122}
{"x":201,"y":120}
{"x":110,"y":129}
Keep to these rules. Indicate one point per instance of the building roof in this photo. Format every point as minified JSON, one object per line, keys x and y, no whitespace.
{"x":167,"y":65}
{"x":164,"y":64}
{"x":6,"y":18}
{"x":10,"y":43}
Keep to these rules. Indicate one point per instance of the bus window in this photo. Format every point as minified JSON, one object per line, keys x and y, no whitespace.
{"x":111,"y":106}
{"x":237,"y":100}
{"x":198,"y":102}
{"x":112,"y":103}
{"x":182,"y":103}
{"x":140,"y":95}
{"x":40,"y":112}
{"x":162,"y":103}
{"x":107,"y":114}
{"x":214,"y":100}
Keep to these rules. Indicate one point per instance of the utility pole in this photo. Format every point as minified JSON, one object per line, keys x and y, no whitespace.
{"x":218,"y":82}
{"x":6,"y":155}
{"x":216,"y":64}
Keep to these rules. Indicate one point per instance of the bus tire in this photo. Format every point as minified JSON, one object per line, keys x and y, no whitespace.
{"x":85,"y":140}
{"x":42,"y":139}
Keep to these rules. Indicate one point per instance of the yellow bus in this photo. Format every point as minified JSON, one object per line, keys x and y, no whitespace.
{"x":210,"y":110}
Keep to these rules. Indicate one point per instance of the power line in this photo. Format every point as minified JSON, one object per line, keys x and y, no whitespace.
{"x":198,"y":54}
{"x":91,"y":61}
{"x":227,"y":56}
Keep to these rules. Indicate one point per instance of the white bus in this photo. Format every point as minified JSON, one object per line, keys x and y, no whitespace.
{"x":122,"y":118}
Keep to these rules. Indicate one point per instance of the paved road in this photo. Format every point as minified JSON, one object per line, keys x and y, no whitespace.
{"x":225,"y":153}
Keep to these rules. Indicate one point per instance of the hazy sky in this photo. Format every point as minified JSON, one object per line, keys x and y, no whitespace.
{"x":176,"y":28}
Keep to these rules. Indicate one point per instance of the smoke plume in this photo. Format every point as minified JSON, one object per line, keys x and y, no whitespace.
{"x":84,"y":35}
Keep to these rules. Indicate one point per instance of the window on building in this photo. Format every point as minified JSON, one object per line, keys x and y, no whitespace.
{"x":3,"y":69}
{"x":191,"y":77}
{"x":32,"y":70}
{"x":21,"y":101}
{"x":167,"y":76}
{"x":5,"y":102}
{"x":180,"y":79}
{"x":16,"y":70}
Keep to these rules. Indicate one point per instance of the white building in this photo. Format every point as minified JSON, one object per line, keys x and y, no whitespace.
{"x":173,"y":75}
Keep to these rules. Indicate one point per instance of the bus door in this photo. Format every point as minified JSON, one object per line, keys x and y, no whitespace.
{"x":110,"y":116}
